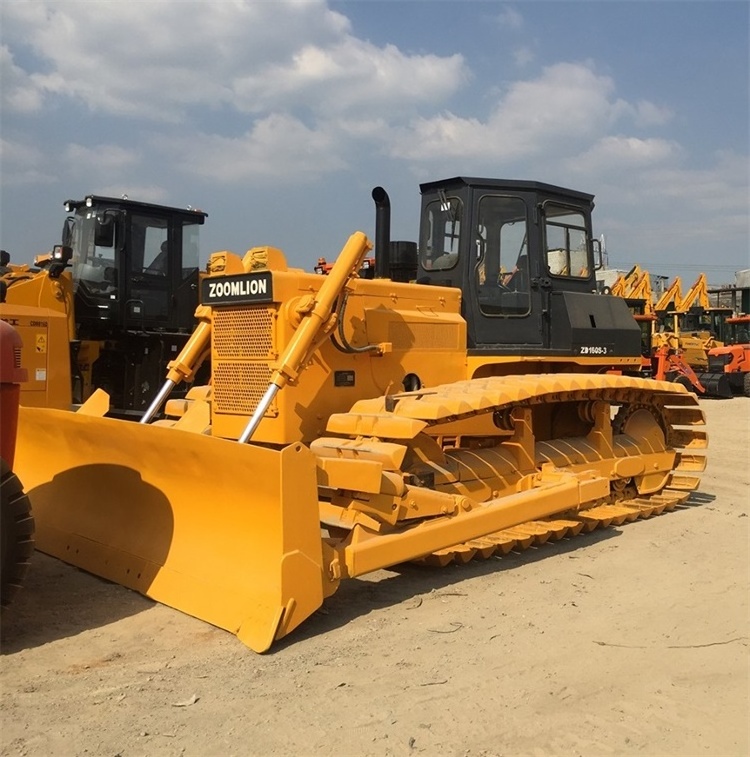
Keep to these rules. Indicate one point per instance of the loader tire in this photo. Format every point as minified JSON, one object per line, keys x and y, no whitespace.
{"x":687,"y":383}
{"x":746,"y":385}
{"x":16,"y":535}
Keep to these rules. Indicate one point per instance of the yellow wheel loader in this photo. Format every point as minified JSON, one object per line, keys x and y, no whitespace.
{"x":485,"y":404}
{"x":110,"y":307}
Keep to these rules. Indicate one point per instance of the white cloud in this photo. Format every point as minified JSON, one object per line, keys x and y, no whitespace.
{"x":620,"y":153}
{"x":351,"y":74}
{"x":656,"y":213}
{"x":557,"y":113}
{"x":510,"y":18}
{"x":719,"y":189}
{"x":18,"y":91}
{"x":649,"y":114}
{"x":155,"y":60}
{"x":278,"y":147}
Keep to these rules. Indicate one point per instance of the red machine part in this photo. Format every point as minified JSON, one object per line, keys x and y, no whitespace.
{"x":16,"y":520}
{"x":11,"y":378}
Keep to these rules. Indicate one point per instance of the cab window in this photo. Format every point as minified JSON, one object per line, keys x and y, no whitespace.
{"x":501,"y":272}
{"x":190,"y":249}
{"x":149,"y":246}
{"x":438,"y":248}
{"x":566,"y":240}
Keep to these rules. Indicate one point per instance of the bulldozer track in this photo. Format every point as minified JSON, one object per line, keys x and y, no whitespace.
{"x":538,"y":532}
{"x":465,"y":398}
{"x":675,"y":410}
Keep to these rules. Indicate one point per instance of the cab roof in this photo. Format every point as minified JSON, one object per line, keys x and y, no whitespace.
{"x":505,"y":184}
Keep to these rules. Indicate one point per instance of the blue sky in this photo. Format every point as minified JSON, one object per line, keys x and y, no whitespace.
{"x":278,"y":118}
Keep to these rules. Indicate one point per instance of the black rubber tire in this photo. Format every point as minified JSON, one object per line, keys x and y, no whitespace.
{"x":687,"y":383}
{"x":746,"y":385}
{"x":16,"y":534}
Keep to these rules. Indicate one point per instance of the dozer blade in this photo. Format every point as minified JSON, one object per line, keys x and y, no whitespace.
{"x":226,"y":532}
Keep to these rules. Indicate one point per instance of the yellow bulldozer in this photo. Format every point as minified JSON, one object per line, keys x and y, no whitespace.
{"x":486,"y":403}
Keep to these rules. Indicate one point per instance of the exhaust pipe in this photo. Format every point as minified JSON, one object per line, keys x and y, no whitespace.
{"x":382,"y":233}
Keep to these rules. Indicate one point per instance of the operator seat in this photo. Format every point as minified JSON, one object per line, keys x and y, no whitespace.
{"x":519,"y":279}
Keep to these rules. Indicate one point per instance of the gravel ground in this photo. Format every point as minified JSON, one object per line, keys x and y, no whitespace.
{"x":630,"y":640}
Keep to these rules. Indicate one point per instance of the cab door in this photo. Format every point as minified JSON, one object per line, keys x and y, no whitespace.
{"x":150,"y":272}
{"x":185,"y":273}
{"x":505,"y":302}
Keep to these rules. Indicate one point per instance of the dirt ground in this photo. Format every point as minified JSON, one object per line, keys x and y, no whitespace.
{"x":630,"y":640}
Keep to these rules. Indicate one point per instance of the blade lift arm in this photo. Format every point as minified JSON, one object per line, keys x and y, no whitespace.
{"x":185,"y":365}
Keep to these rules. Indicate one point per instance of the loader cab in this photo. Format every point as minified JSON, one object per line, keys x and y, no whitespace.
{"x":738,"y":330}
{"x":711,"y":320}
{"x":134,"y":265}
{"x":523,"y":256}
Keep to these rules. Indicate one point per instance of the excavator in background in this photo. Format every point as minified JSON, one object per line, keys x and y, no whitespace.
{"x":635,"y":288}
{"x":669,"y":300}
{"x":632,"y":285}
{"x":662,"y":358}
{"x":110,"y":307}
{"x":698,"y":316}
{"x":490,"y":402}
{"x":691,"y":327}
{"x":732,"y":360}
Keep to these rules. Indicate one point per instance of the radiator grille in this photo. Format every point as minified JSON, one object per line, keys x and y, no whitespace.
{"x":243,"y":346}
{"x":242,"y":333}
{"x":238,"y":386}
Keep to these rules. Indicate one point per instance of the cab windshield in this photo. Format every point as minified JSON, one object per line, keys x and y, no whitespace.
{"x":94,"y":264}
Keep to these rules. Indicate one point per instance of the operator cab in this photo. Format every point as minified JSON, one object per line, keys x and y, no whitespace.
{"x":134,"y":265}
{"x":699,"y":319}
{"x":524,"y":257}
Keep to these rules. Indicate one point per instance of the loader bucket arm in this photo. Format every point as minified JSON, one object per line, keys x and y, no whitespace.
{"x":698,"y":293}
{"x":673,"y":294}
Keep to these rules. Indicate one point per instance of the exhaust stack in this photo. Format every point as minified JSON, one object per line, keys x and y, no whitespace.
{"x":382,"y":232}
